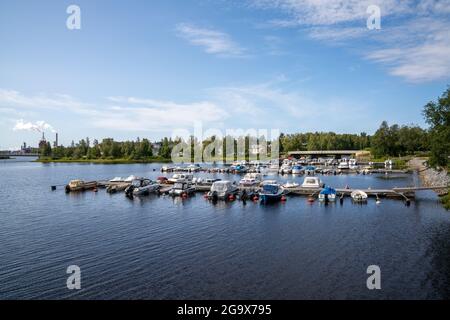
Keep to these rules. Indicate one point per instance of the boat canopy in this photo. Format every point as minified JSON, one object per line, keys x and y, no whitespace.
{"x":220,"y":186}
{"x":328,"y":191}
{"x":270,"y":188}
{"x":310,"y":168}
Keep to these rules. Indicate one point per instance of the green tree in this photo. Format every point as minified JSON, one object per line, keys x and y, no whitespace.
{"x":437,"y":115}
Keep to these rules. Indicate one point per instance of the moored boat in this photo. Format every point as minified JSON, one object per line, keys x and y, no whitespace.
{"x":251,"y":179}
{"x":141,"y":187}
{"x":327,"y":194}
{"x":80,"y":185}
{"x":181,"y":177}
{"x":271,"y":193}
{"x":297,"y":169}
{"x":222,"y":190}
{"x":359,"y":196}
{"x":312,"y":182}
{"x":181,"y":189}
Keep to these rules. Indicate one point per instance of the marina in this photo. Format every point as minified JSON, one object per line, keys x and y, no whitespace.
{"x":183,"y":183}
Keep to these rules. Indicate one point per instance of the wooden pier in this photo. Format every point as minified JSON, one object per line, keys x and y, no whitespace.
{"x":402,"y":193}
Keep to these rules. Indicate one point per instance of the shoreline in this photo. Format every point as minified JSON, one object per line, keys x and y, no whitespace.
{"x":430,"y":177}
{"x":103,"y":161}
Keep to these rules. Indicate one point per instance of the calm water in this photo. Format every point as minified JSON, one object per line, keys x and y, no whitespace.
{"x":158,"y":247}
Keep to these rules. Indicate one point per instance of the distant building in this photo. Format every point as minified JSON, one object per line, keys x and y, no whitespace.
{"x":43,"y":142}
{"x":24,"y":149}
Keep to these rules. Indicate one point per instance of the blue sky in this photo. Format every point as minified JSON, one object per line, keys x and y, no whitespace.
{"x":145,"y":68}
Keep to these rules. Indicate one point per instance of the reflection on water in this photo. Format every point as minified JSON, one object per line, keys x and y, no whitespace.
{"x":160,"y":247}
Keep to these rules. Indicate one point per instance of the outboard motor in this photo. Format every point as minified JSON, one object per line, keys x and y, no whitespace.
{"x":129,"y":192}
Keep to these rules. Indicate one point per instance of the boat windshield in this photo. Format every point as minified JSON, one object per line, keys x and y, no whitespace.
{"x":178,"y":185}
{"x":270,"y":188}
{"x":311,"y":181}
{"x":220,"y":187}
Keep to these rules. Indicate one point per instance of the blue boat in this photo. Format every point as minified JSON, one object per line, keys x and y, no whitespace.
{"x":240,"y":169}
{"x":297,"y":169}
{"x":271,"y":193}
{"x":327,"y":194}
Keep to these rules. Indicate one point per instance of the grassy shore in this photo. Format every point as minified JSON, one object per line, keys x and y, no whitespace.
{"x":104,"y":161}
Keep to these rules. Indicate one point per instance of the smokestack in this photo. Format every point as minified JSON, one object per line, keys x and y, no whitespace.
{"x":56,"y":139}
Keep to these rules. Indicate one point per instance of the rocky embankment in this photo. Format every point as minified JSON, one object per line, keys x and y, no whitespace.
{"x":429,"y":176}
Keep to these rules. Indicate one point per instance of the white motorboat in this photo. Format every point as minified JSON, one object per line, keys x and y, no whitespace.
{"x":117,"y":179}
{"x":222,"y":190}
{"x":312,"y":182}
{"x":181,"y":177}
{"x":182,"y":188}
{"x":193,"y":168}
{"x":343,"y":165}
{"x":251,"y":179}
{"x":131,"y":178}
{"x":359,"y":196}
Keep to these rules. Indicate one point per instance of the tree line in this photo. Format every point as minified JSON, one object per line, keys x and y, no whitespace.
{"x":388,"y":141}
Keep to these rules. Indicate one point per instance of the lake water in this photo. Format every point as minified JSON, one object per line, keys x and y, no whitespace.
{"x":161,"y":248}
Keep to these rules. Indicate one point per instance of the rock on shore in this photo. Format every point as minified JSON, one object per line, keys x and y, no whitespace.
{"x":429,"y":176}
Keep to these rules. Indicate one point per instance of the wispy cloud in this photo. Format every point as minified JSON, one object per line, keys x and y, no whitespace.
{"x":141,"y":114}
{"x":415,"y":45}
{"x":213,"y":41}
{"x":328,"y":12}
{"x":15,"y":99}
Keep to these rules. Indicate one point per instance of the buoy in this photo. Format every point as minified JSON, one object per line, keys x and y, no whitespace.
{"x":53,"y":188}
{"x":231,"y":197}
{"x":95,"y":190}
{"x":310,"y":199}
{"x":184,"y":195}
{"x":283,"y":198}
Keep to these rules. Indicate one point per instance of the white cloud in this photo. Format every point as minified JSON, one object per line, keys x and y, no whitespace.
{"x":415,"y":45}
{"x":213,"y":41}
{"x":39,"y":126}
{"x":15,"y":99}
{"x":139,"y":114}
{"x":328,"y":12}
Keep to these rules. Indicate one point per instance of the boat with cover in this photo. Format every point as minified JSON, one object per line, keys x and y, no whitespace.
{"x":327,"y":194}
{"x":359,"y":196}
{"x":141,"y":187}
{"x":271,"y":193}
{"x":222,"y":190}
